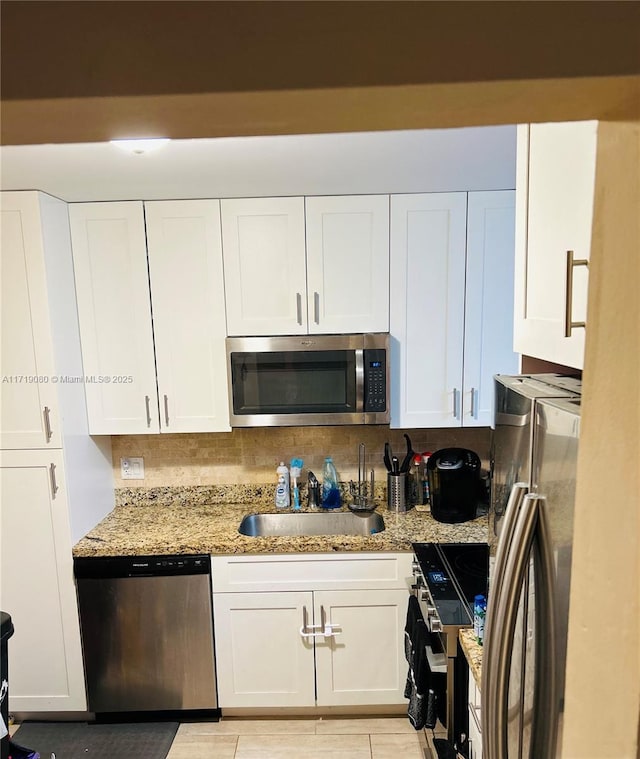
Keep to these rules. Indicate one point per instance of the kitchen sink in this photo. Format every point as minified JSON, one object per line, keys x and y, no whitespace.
{"x":322,"y":523}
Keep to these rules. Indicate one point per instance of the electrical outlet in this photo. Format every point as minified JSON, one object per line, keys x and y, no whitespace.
{"x":132,"y":468}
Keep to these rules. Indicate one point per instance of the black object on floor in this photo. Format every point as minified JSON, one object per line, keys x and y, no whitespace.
{"x":81,"y":740}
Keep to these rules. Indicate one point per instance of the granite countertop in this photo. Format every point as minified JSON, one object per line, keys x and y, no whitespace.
{"x":169,"y":522}
{"x":473,"y":653}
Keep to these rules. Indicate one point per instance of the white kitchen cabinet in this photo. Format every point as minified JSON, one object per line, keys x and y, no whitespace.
{"x":264,"y":266}
{"x":114,"y":309}
{"x":451,"y":293}
{"x":182,"y":386}
{"x":316,"y":265}
{"x":362,"y":662}
{"x":54,"y":487}
{"x":187,"y":295}
{"x":303,"y":630}
{"x":36,"y":584}
{"x":475,"y":720}
{"x":347,"y":263}
{"x":30,"y":415}
{"x":555,"y":181}
{"x":261,"y":657}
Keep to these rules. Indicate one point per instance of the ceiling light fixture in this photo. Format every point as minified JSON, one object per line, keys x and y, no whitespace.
{"x":140,"y":146}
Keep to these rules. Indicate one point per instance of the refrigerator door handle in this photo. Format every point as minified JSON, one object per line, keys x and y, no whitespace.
{"x":544,"y":727}
{"x":494,"y":707}
{"x":512,"y":510}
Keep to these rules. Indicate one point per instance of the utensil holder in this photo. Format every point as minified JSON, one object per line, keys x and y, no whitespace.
{"x":397,"y":491}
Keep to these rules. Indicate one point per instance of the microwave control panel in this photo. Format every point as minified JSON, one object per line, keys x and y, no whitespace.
{"x":375,"y":379}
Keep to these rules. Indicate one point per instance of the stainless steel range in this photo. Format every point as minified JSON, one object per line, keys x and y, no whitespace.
{"x":447,"y":577}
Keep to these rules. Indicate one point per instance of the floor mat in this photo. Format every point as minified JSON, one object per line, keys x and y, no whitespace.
{"x":81,"y":740}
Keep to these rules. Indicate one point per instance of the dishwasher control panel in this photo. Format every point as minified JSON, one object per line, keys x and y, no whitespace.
{"x":97,"y":567}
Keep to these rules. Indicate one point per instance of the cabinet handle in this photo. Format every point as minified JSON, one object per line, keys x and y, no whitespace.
{"x":166,"y":411}
{"x":304,"y":630}
{"x":52,"y":477}
{"x":456,"y":403}
{"x":299,"y":308}
{"x":474,"y":403}
{"x":146,"y":401}
{"x":47,"y":424}
{"x":316,"y":308}
{"x":572,"y":262}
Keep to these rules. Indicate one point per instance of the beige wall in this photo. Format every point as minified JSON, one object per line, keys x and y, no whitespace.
{"x":250,"y":456}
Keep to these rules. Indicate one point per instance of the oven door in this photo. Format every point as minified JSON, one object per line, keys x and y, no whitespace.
{"x":445,"y":655}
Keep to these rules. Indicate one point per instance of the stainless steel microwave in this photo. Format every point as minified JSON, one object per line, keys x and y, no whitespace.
{"x":308,"y":380}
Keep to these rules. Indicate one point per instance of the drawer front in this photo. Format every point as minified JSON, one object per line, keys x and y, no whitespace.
{"x":237,"y":574}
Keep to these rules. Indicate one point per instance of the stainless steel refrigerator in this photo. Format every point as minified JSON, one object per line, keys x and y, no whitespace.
{"x":533,"y":471}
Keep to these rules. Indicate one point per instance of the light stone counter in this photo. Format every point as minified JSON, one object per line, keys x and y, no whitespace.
{"x":197,"y":520}
{"x":473,"y":653}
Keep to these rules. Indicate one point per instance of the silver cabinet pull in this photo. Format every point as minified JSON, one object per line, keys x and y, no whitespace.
{"x":474,"y":403}
{"x":299,"y":308}
{"x":316,"y":308}
{"x":146,"y":401}
{"x":305,"y":629}
{"x":572,"y":262}
{"x":166,"y":411}
{"x":47,"y":424}
{"x":52,"y":477}
{"x":456,"y":403}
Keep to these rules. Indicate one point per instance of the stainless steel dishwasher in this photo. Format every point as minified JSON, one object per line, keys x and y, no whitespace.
{"x":147,"y":633}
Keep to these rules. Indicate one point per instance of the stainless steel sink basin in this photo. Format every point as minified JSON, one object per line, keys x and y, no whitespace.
{"x":305,"y":523}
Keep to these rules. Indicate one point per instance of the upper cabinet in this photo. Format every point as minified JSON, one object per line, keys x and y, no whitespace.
{"x":30,"y":410}
{"x":187,"y":293}
{"x":555,"y":192}
{"x":348,"y":264}
{"x":115,"y":286}
{"x":264,"y":266}
{"x":451,"y":294}
{"x":316,"y":265}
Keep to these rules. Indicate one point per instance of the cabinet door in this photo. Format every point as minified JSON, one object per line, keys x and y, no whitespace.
{"x":556,"y":175}
{"x":363,"y":662}
{"x":428,"y":234}
{"x":488,"y":330}
{"x":29,"y":411}
{"x":36,"y":585}
{"x":264,"y":266}
{"x":114,"y":310}
{"x":187,"y":294}
{"x":348,"y":263}
{"x":261,"y":657}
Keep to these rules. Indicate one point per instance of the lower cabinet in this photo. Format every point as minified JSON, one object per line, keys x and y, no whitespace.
{"x":316,"y":646}
{"x":475,"y":724}
{"x":37,"y":586}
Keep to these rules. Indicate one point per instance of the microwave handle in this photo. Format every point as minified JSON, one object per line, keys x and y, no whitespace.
{"x":360,"y":399}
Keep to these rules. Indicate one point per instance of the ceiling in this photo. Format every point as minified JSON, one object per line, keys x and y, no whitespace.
{"x":348,"y":163}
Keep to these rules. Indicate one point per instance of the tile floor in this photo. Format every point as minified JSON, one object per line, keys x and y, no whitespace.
{"x":319,"y":738}
{"x":333,"y":738}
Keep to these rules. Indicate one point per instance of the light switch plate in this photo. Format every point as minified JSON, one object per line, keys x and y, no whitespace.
{"x":132,"y":468}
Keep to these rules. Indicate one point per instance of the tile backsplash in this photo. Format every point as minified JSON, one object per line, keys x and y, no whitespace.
{"x":250,"y":456}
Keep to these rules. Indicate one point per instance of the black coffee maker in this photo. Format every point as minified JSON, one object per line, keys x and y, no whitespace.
{"x":455,"y":485}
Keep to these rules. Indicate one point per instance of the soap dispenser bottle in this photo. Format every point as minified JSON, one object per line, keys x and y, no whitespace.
{"x":282,"y":488}
{"x":330,"y":487}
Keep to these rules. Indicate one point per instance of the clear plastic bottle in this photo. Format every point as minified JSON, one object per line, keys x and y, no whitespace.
{"x":479,"y":613}
{"x":330,"y":488}
{"x":282,"y":488}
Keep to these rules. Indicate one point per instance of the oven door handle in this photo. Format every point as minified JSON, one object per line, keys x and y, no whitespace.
{"x":495,"y":697}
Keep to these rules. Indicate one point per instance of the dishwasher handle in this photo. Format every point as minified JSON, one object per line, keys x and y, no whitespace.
{"x":100,"y":567}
